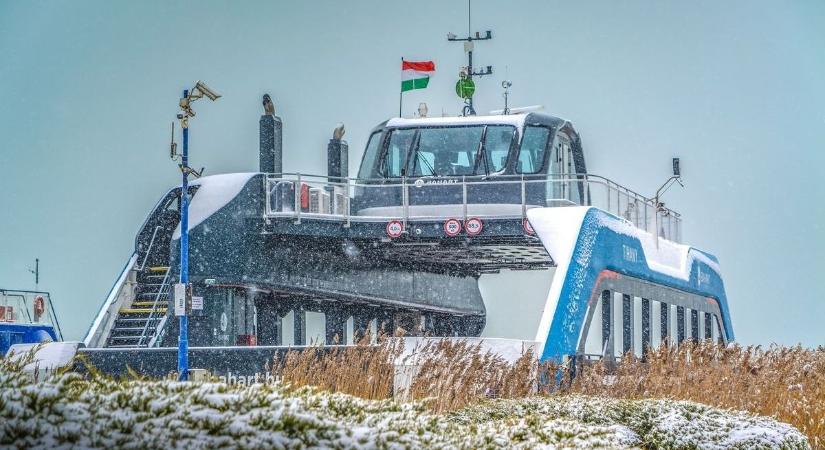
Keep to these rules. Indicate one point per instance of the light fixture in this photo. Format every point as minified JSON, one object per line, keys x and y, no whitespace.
{"x":202,"y":89}
{"x":422,"y":109}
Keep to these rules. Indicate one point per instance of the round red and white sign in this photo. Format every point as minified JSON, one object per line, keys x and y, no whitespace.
{"x":527,"y":227}
{"x":452,"y":227}
{"x":395,"y":228}
{"x":474,"y":226}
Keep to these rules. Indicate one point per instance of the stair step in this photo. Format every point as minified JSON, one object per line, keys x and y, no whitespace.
{"x":126,"y":338}
{"x":157,"y":269}
{"x":129,"y":329}
{"x":142,"y":305}
{"x":123,"y":346}
{"x":161,"y":309}
{"x":137,"y":319}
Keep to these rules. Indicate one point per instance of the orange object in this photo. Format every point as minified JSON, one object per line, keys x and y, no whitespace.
{"x":39,"y":307}
{"x":304,"y":196}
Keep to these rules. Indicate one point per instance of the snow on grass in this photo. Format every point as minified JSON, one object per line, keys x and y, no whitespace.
{"x":67,"y":411}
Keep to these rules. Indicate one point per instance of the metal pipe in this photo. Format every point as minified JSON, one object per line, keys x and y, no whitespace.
{"x":183,"y":336}
{"x":347,"y":203}
{"x":464,"y":196}
{"x":298,"y":194}
{"x":404,"y":203}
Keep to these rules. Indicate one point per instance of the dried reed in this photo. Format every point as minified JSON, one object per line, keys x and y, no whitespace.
{"x":787,"y":383}
{"x":362,"y":370}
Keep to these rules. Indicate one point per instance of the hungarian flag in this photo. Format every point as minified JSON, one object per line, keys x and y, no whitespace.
{"x":415,"y":74}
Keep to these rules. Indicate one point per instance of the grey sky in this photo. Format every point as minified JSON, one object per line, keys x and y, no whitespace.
{"x":88,"y":90}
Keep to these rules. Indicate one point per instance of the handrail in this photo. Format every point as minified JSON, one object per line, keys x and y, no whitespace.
{"x":149,"y":248}
{"x":160,"y":330}
{"x":163,"y":287}
{"x":616,"y":199}
{"x":472,"y":179}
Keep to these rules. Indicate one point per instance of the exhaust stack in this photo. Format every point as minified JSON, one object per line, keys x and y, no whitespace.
{"x":271,"y":134}
{"x":338,"y":156}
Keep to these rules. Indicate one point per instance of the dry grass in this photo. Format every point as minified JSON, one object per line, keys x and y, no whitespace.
{"x":453,"y":374}
{"x":362,"y":370}
{"x":787,"y":383}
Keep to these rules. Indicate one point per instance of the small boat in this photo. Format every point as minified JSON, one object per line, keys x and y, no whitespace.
{"x":27,"y":317}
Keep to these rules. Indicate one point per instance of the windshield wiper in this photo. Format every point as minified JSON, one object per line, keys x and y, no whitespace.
{"x":482,"y":153}
{"x":419,"y":157}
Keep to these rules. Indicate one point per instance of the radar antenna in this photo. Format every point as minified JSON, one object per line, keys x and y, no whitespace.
{"x":506,"y":85}
{"x":465,"y":86}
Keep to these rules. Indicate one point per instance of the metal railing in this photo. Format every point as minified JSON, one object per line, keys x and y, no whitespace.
{"x":24,"y":308}
{"x":162,"y":293}
{"x":149,"y":248}
{"x":300,"y":196}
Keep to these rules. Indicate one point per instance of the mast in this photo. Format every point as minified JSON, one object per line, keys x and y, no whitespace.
{"x":468,"y":73}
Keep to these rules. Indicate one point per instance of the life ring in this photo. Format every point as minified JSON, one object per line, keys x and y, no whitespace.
{"x":39,"y":306}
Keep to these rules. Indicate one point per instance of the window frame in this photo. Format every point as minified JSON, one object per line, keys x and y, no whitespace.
{"x":372,"y":171}
{"x":476,"y":162}
{"x":547,"y":143}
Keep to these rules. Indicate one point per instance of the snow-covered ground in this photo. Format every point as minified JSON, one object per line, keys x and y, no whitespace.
{"x":66,"y":411}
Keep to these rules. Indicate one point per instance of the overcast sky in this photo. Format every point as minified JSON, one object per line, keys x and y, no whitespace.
{"x":735,"y":89}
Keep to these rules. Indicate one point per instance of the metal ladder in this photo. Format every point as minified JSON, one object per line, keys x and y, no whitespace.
{"x":137,"y":325}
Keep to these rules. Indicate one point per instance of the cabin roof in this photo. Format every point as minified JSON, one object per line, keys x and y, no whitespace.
{"x":517,"y":120}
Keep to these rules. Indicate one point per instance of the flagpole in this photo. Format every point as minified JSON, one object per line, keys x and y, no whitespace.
{"x":401,"y":92}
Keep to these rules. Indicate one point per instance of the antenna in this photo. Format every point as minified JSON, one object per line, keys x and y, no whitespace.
{"x":173,"y":147}
{"x":657,"y":204}
{"x":506,"y":85}
{"x":36,"y":273}
{"x":465,"y":86}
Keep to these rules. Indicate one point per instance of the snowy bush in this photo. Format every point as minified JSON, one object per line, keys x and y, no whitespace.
{"x":68,"y":411}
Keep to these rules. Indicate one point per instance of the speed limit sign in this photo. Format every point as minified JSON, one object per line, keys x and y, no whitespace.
{"x":474,"y":226}
{"x":452,"y":227}
{"x":395,"y":228}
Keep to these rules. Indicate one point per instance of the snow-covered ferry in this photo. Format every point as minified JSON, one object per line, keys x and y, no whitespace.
{"x":437,"y":205}
{"x":26,"y":317}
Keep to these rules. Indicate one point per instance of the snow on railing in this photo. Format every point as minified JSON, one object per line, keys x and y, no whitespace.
{"x":440,"y":198}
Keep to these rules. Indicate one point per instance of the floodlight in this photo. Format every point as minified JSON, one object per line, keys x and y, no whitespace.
{"x":676,"y":169}
{"x":422,"y":109}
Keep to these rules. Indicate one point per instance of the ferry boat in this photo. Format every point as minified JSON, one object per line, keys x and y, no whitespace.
{"x":437,"y":204}
{"x":27,"y":317}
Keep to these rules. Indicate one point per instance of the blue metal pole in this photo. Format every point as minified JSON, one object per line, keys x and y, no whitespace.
{"x":183,"y":337}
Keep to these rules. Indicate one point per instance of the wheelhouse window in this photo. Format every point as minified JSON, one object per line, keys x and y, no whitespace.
{"x":396,"y":156}
{"x":497,"y":143}
{"x":447,"y":151}
{"x":533,"y":148}
{"x":370,"y":156}
{"x":440,"y":151}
